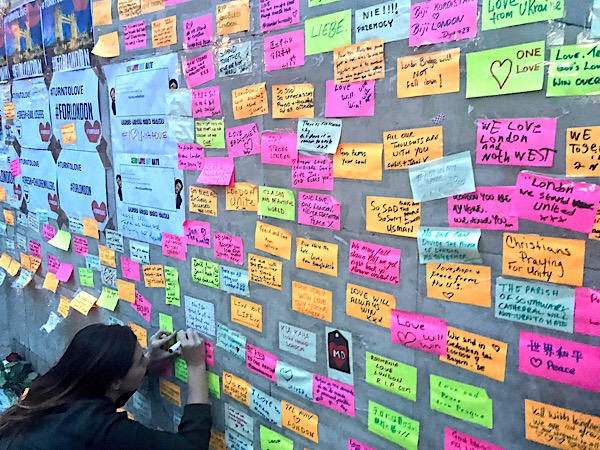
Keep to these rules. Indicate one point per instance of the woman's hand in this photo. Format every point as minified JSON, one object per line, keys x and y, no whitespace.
{"x":192,"y":347}
{"x":159,"y":346}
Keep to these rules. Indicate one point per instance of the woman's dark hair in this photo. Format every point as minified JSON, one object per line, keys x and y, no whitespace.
{"x":97,"y":356}
{"x":178,"y":181}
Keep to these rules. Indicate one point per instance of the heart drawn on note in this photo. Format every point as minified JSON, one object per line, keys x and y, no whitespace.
{"x":406,"y":338}
{"x":501,"y":70}
{"x":45,"y":131}
{"x":338,"y":354}
{"x":92,"y":131}
{"x":436,"y":16}
{"x":448,"y":295}
{"x":248,"y":146}
{"x":287,"y":374}
{"x":535,"y":362}
{"x":99,"y":211}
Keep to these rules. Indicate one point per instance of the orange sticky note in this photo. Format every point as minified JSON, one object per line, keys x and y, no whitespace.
{"x":9,"y":217}
{"x":68,"y":133}
{"x":246,"y":313}
{"x":543,"y":258}
{"x":102,"y":13}
{"x":390,"y":215}
{"x":404,"y":148}
{"x":583,"y":152}
{"x":9,"y":110}
{"x":164,"y":32}
{"x":292,"y":101}
{"x":90,"y":227}
{"x":217,"y":440}
{"x":273,"y":240}
{"x":595,"y":234}
{"x":154,"y":276}
{"x":265,"y":271}
{"x":250,"y":101}
{"x":2,"y":194}
{"x":63,"y":306}
{"x":236,"y":388}
{"x":126,"y":290}
{"x":128,"y":9}
{"x":13,"y":268}
{"x":317,"y":256}
{"x":107,"y":45}
{"x":359,"y":62}
{"x":460,"y":283}
{"x":5,"y":261}
{"x":203,"y":201}
{"x":241,"y":197}
{"x":170,"y":391}
{"x":141,"y":333}
{"x":358,"y":162}
{"x":300,"y":421}
{"x":429,"y":73}
{"x":107,"y":256}
{"x":379,"y":309}
{"x":30,"y":263}
{"x":50,"y":282}
{"x":312,"y":301}
{"x":150,"y":6}
{"x":233,"y":17}
{"x":83,"y":302}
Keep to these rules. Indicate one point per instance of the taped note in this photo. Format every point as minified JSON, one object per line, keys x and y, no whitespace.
{"x":438,"y":244}
{"x":318,"y":210}
{"x":587,"y":311}
{"x":387,"y":20}
{"x":374,"y":261}
{"x":317,"y":256}
{"x":200,"y":315}
{"x":231,"y":341}
{"x":261,"y":362}
{"x":318,"y":135}
{"x":324,"y":33}
{"x":437,"y":21}
{"x":359,"y":62}
{"x":246,"y":313}
{"x":236,"y":388}
{"x":334,"y":395}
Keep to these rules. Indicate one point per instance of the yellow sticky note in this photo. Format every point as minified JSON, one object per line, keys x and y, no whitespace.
{"x":9,"y":217}
{"x":217,"y":440}
{"x":291,"y":101}
{"x":107,"y":256}
{"x":236,"y":388}
{"x":9,"y":110}
{"x":358,"y":162}
{"x":595,"y":234}
{"x":50,"y":282}
{"x":390,"y":215}
{"x":312,"y":301}
{"x":273,"y":240}
{"x":107,"y":45}
{"x":250,"y":101}
{"x":583,"y":152}
{"x":164,"y":32}
{"x":543,"y":258}
{"x":246,"y":313}
{"x":479,"y":354}
{"x":83,"y":302}
{"x":300,"y":421}
{"x":203,"y":201}
{"x":429,"y":73}
{"x":265,"y":271}
{"x":102,"y":13}
{"x":126,"y":290}
{"x":154,"y":276}
{"x":149,"y":6}
{"x":404,"y":148}
{"x":108,"y":299}
{"x":68,"y":133}
{"x":233,"y":17}
{"x":30,"y":263}
{"x":170,"y":391}
{"x":317,"y":256}
{"x":2,"y":194}
{"x":5,"y":261}
{"x":141,"y":333}
{"x":90,"y":227}
{"x":63,"y":306}
{"x":128,"y":9}
{"x":241,"y":197}
{"x":62,"y":240}
{"x":13,"y":268}
{"x":460,"y":283}
{"x":369,"y":305}
{"x":359,"y":62}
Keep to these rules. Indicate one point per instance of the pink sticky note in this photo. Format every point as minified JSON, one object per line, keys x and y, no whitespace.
{"x":48,"y":231}
{"x":197,"y":233}
{"x":135,"y":35}
{"x":455,"y":440}
{"x":130,"y":269}
{"x":516,"y":142}
{"x":560,"y":360}
{"x":333,"y":394}
{"x":142,"y":306}
{"x":353,"y":444}
{"x":279,"y":148}
{"x":198,"y":32}
{"x":64,"y":272}
{"x":556,"y":202}
{"x":350,"y":99}
{"x":210,"y":353}
{"x":175,"y":2}
{"x":420,"y":332}
{"x":275,"y":14}
{"x":374,"y":261}
{"x":261,"y":362}
{"x":174,"y":246}
{"x":318,"y":210}
{"x":243,"y":140}
{"x":433,"y":22}
{"x":587,"y":311}
{"x":80,"y":245}
{"x":53,"y":263}
{"x":313,"y":172}
{"x":206,"y":102}
{"x":15,"y":167}
{"x":229,"y":248}
{"x":284,"y":51}
{"x":488,"y":208}
{"x":190,"y":157}
{"x":217,"y":172}
{"x":200,"y":69}
{"x":35,"y":248}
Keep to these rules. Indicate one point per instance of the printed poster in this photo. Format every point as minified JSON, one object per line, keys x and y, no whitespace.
{"x":137,"y":103}
{"x":74,"y":100}
{"x":7,"y":181}
{"x":32,"y":125}
{"x":37,"y":181}
{"x":23,"y":39}
{"x":67,"y":33}
{"x":150,"y":196}
{"x":82,"y":185}
{"x":4,"y":71}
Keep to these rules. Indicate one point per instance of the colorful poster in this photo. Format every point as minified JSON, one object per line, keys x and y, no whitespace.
{"x":23,"y":39}
{"x":38,"y":181}
{"x":437,"y":21}
{"x":4,"y":70}
{"x":32,"y":124}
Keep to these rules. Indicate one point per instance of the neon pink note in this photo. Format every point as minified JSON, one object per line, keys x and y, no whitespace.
{"x":455,"y":440}
{"x":488,"y":208}
{"x":217,"y":172}
{"x":53,"y":263}
{"x":206,"y":102}
{"x":15,"y":167}
{"x":230,"y":248}
{"x":284,"y":51}
{"x":200,"y":69}
{"x":243,"y":140}
{"x":35,"y":248}
{"x":135,"y":35}
{"x":210,"y":353}
{"x":64,"y":272}
{"x":313,"y":172}
{"x":420,"y":332}
{"x":130,"y":269}
{"x":350,"y":99}
{"x":198,"y":32}
{"x":334,"y":395}
{"x":279,"y":148}
{"x":142,"y":306}
{"x":587,"y":311}
{"x":174,"y":246}
{"x":197,"y":233}
{"x":318,"y":210}
{"x":374,"y":261}
{"x":353,"y":444}
{"x":451,"y":23}
{"x":261,"y":362}
{"x":80,"y":245}
{"x":48,"y":231}
{"x":275,"y":14}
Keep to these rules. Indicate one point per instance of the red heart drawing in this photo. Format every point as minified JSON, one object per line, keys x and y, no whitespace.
{"x":338,"y":354}
{"x":53,"y":202}
{"x":406,"y":338}
{"x":45,"y":131}
{"x":99,"y":211}
{"x":17,"y":190}
{"x":92,"y":131}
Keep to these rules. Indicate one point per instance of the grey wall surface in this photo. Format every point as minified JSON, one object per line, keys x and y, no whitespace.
{"x":28,"y":311}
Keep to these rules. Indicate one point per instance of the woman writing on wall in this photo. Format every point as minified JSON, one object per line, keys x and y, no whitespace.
{"x":73,"y":406}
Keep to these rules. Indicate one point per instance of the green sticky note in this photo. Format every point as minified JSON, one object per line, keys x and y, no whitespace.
{"x":460,"y":400}
{"x":42,"y":216}
{"x":392,"y":376}
{"x":507,"y":13}
{"x":276,"y":202}
{"x":506,"y":70}
{"x":181,"y":369}
{"x":62,"y":240}
{"x":324,"y":33}
{"x":214,"y":384}
{"x":108,"y":299}
{"x":320,"y":2}
{"x":172,"y":291}
{"x":272,"y":440}
{"x":165,"y":322}
{"x":210,"y":133}
{"x":205,"y":272}
{"x":393,"y":426}
{"x":574,"y":70}
{"x":86,"y":277}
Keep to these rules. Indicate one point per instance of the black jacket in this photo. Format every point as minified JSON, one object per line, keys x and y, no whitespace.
{"x":94,"y":424}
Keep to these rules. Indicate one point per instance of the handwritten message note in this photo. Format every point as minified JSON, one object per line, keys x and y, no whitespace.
{"x":279,"y":148}
{"x":583,"y":151}
{"x":393,"y":426}
{"x":429,"y":74}
{"x":135,"y":35}
{"x":241,"y":197}
{"x":142,"y":306}
{"x":318,"y":210}
{"x":197,"y":233}
{"x":205,"y":272}
{"x":404,"y":148}
{"x":231,"y":341}
{"x":387,"y":20}
{"x":275,"y":14}
{"x":250,"y":101}
{"x":126,"y":290}
{"x":210,"y":133}
{"x":236,"y":388}
{"x":358,"y":161}
{"x":276,"y":202}
{"x":101,"y":15}
{"x":438,"y":244}
{"x":261,"y":362}
{"x":488,"y":208}
{"x":265,"y":271}
{"x":235,"y":59}
{"x":463,"y":401}
{"x":243,"y":140}
{"x":246,"y":313}
{"x":272,"y":440}
{"x":350,"y":99}
{"x":265,"y":406}
{"x":217,"y":171}
{"x":274,"y":240}
{"x":587,"y":308}
{"x":233,"y":17}
{"x":203,"y":201}
{"x":197,"y":32}
{"x":107,"y":45}
{"x":391,"y":376}
{"x":154,"y":276}
{"x":369,"y":305}
{"x":334,"y":395}
{"x":317,"y":256}
{"x":324,"y":33}
{"x":199,"y":70}
{"x":293,"y":100}
{"x":233,"y":280}
{"x":374,"y":261}
{"x":319,"y":135}
{"x":507,"y":14}
{"x":312,"y":172}
{"x":420,"y":332}
{"x":206,"y":102}
{"x":460,"y":283}
{"x":164,"y":32}
{"x":389,"y":215}
{"x":359,"y":62}
{"x":299,"y":342}
{"x":190,"y":157}
{"x":174,"y":246}
{"x":284,"y":51}
{"x":312,"y":301}
{"x":228,"y":247}
{"x":438,"y":21}
{"x":455,"y":440}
